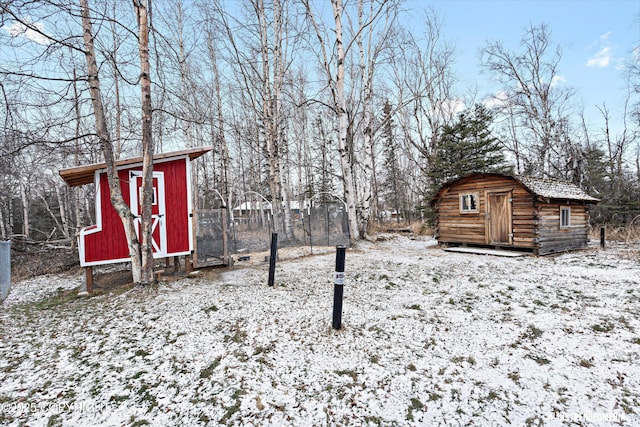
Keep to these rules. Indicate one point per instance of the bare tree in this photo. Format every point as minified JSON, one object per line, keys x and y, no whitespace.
{"x":141,"y":8}
{"x":333,"y":65}
{"x":262,"y":52}
{"x":374,"y":33}
{"x":141,"y":255}
{"x":424,"y":98}
{"x":533,"y":93}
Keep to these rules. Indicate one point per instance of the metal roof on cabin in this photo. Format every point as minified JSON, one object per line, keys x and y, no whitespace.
{"x":554,"y":189}
{"x":81,"y":175}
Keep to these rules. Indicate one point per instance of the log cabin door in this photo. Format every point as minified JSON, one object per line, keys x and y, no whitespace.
{"x":158,"y":210}
{"x":499,"y":221}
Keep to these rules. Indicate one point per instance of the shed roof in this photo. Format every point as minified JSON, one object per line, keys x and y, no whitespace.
{"x":554,"y":189}
{"x":545,"y":188}
{"x":81,"y":175}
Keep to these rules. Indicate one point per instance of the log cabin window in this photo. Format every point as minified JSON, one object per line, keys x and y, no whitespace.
{"x":565,"y":217}
{"x":469,"y":203}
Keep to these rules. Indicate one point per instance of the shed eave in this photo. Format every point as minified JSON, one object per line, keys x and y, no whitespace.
{"x":82,"y":175}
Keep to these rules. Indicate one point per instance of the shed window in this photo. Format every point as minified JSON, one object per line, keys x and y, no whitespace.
{"x":154,"y":199}
{"x":469,"y":202}
{"x":565,"y":217}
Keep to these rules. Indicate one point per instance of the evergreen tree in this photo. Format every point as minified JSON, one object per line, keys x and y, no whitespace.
{"x":467,"y":146}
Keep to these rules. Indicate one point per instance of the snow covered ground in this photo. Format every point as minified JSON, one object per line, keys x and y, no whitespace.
{"x":428,"y":338}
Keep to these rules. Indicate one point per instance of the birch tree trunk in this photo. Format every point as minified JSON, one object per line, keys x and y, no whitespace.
{"x":76,"y":158}
{"x":336,"y":84}
{"x":343,"y":124}
{"x":62,"y":210}
{"x":117,"y":201}
{"x":366,"y":75}
{"x":142,"y":14}
{"x":278,"y":84}
{"x":24,"y":196}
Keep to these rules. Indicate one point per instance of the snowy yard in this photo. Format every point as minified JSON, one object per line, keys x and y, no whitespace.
{"x":428,"y":338}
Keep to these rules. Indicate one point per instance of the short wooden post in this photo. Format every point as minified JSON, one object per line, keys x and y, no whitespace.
{"x":338,"y":287}
{"x":87,"y":286}
{"x":272,"y":258}
{"x":187,"y":264}
{"x":176,"y":263}
{"x":602,"y":240}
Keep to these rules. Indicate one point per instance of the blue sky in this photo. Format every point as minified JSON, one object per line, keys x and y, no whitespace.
{"x":596,"y":37}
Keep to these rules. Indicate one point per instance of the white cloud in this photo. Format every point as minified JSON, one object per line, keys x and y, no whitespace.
{"x":454,"y":106}
{"x":18,"y":29}
{"x":556,"y":80}
{"x":496,"y":101}
{"x":600,"y":59}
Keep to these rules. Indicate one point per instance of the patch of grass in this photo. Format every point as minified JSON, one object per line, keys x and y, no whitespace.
{"x":146,"y":397}
{"x":414,"y":405}
{"x":211,"y":309}
{"x":433,"y":397}
{"x":234,"y":408}
{"x":238,"y":335}
{"x":141,"y":353}
{"x":133,"y":422}
{"x":415,"y":307}
{"x":533,"y":421}
{"x":373,"y":420}
{"x":605,"y":326}
{"x":539,"y":303}
{"x":586,"y":363}
{"x":208,"y":371}
{"x":117,"y":398}
{"x":514,"y":376}
{"x":540,"y":360}
{"x":138,"y":375}
{"x":461,"y":359}
{"x":349,"y":373}
{"x":636,"y":340}
{"x":54,"y":420}
{"x":624,"y":322}
{"x":60,"y":298}
{"x":493,"y":395}
{"x":531,"y":333}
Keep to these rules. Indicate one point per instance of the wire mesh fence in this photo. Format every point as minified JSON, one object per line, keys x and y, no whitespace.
{"x":220,"y":234}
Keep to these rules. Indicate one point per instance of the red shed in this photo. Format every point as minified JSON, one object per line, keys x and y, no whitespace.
{"x":105,"y":242}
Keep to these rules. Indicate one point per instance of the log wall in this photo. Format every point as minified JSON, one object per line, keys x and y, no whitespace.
{"x":452,"y":226}
{"x":552,"y":238}
{"x":535,"y":224}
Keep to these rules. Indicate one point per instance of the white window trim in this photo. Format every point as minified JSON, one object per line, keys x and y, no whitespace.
{"x":477,"y":200}
{"x":568,"y":210}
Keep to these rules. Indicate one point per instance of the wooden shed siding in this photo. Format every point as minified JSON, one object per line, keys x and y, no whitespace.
{"x":552,"y":238}
{"x":456,"y":227}
{"x":534,"y":219}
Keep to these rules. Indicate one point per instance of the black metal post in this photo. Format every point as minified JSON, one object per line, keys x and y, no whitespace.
{"x":602,"y":242}
{"x":272,"y":258}
{"x":338,"y":287}
{"x":326,"y":205}
{"x":310,"y":236}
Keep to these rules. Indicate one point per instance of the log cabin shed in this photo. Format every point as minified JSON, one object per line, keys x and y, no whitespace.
{"x":539,"y":215}
{"x":172,"y":235}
